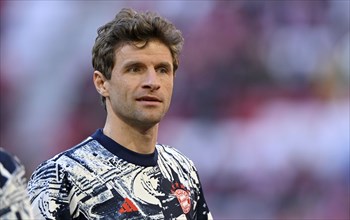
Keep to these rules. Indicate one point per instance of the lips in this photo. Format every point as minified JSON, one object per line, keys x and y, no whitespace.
{"x":149,"y":99}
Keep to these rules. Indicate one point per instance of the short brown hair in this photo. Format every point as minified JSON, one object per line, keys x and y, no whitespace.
{"x":127,"y":27}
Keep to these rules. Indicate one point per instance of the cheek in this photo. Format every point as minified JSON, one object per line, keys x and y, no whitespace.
{"x":120,"y":88}
{"x":169,"y":94}
{"x":171,"y":89}
{"x":168,"y":85}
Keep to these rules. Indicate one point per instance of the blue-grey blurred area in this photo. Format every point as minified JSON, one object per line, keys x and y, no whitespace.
{"x":261,"y":99}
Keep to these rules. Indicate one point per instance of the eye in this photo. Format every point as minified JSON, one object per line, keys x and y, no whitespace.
{"x":134,"y":69}
{"x":163,"y":70}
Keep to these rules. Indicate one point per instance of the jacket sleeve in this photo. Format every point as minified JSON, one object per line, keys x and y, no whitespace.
{"x":202,"y":211}
{"x":14,"y":201}
{"x":49,"y":192}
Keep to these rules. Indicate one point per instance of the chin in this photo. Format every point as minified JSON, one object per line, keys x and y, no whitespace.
{"x":150,"y":121}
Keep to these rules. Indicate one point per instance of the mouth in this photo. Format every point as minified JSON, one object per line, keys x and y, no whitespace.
{"x":148,"y":99}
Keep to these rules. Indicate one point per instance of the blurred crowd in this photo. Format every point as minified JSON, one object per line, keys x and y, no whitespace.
{"x":261,"y":99}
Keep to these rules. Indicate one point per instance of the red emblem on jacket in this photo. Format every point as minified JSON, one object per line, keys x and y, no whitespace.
{"x":183,"y":196}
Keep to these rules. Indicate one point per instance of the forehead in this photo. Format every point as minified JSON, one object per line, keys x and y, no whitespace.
{"x":151,"y":50}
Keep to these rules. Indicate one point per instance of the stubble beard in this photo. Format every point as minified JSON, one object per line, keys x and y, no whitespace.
{"x":143,"y":118}
{"x":147,"y":119}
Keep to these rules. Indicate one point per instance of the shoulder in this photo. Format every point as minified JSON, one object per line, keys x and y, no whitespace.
{"x":12,"y":170}
{"x":169,"y":151}
{"x":9,"y":162}
{"x":13,"y":194}
{"x":53,"y":180}
{"x":177,"y":167}
{"x":55,"y":166}
{"x":171,"y":156}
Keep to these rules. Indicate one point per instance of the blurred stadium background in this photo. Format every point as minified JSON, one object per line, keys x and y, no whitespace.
{"x":261,"y":100}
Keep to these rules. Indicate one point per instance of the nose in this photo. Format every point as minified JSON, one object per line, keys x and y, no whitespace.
{"x":151,"y":81}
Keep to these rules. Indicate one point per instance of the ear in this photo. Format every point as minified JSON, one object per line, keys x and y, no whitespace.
{"x":101,"y":83}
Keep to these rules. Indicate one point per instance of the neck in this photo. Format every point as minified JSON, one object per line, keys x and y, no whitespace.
{"x":138,"y":139}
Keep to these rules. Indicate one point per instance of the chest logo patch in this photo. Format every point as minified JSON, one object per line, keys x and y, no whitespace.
{"x":183,"y":196}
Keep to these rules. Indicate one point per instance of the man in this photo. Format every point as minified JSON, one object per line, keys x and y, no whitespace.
{"x":14,"y":201}
{"x":121,"y":172}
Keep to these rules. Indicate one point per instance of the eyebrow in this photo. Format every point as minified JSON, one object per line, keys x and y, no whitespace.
{"x":137,"y":63}
{"x":132,"y":63}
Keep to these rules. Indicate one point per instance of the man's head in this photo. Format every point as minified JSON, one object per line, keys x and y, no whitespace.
{"x":131,"y":27}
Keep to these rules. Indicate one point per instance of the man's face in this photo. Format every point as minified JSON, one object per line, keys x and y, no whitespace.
{"x":141,"y":85}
